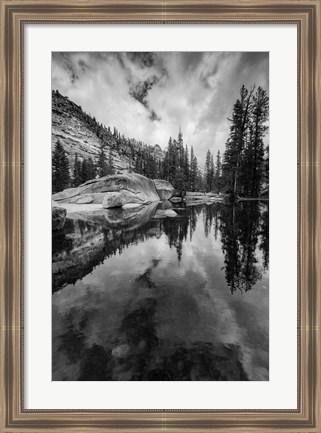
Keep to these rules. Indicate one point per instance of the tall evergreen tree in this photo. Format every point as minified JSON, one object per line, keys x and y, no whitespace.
{"x":91,"y":169}
{"x":187,"y":169}
{"x":172,"y":160}
{"x":236,"y":141}
{"x":139,"y":163}
{"x":76,"y":178}
{"x":102,"y":168}
{"x":180,"y":172}
{"x":259,"y":117}
{"x":218,"y":168}
{"x":208,"y":171}
{"x":84,"y":171}
{"x":60,"y":169}
{"x":200,"y":183}
{"x":217,"y":184}
{"x":110,"y":165}
{"x":254,"y":162}
{"x":194,"y":171}
{"x":212,"y":173}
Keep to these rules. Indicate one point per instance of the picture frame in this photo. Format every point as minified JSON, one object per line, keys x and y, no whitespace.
{"x":305,"y":14}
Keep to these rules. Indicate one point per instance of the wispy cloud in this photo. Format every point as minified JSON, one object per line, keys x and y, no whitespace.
{"x":149,"y":95}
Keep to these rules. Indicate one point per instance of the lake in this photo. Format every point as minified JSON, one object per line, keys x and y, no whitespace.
{"x":137,"y":296}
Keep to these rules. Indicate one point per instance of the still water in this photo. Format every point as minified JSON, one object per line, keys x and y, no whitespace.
{"x":137,"y":296}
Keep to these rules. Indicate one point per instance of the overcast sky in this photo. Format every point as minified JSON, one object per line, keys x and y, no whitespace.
{"x":147,"y":96}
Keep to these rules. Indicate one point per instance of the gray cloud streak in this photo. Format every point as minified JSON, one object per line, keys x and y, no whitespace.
{"x":149,"y":95}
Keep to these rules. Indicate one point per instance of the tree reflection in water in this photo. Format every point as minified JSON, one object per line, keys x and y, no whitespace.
{"x":243,"y":229}
{"x":136,"y":350}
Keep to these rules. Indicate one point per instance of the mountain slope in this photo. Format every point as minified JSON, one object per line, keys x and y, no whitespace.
{"x":80,"y":133}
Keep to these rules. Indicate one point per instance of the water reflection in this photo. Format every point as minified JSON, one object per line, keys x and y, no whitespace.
{"x":240,"y":227}
{"x":142,"y":297}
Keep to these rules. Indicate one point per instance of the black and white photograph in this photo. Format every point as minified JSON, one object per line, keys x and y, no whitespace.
{"x":160,"y":216}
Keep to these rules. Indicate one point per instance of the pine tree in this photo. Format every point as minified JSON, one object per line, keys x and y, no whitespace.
{"x":208,"y":171}
{"x":172,"y":160}
{"x":236,"y":142}
{"x":139,"y":163}
{"x":110,"y":165}
{"x":218,"y":172}
{"x":254,"y":163}
{"x":199,"y":181}
{"x":218,"y":169}
{"x":76,"y":178}
{"x":187,"y":169}
{"x":212,"y":173}
{"x":91,"y":169}
{"x":259,"y":118}
{"x":193,"y":171}
{"x":60,"y":169}
{"x":160,"y":173}
{"x":102,"y":168}
{"x":84,"y":171}
{"x":151,"y":171}
{"x":180,"y":172}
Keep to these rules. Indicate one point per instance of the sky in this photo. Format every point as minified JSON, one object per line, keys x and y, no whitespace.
{"x":149,"y":96}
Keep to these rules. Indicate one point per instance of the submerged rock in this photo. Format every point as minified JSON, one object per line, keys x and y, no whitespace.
{"x":160,"y":213}
{"x":170,"y":213}
{"x":176,"y":199}
{"x":164,"y":188}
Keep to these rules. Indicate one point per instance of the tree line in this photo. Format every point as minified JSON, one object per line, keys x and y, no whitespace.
{"x":242,"y":171}
{"x":62,"y":175}
{"x":180,"y":169}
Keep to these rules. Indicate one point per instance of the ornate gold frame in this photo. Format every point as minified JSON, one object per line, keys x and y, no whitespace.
{"x":307,"y":16}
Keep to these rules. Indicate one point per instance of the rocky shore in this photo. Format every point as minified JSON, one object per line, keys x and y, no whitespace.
{"x":121,"y":191}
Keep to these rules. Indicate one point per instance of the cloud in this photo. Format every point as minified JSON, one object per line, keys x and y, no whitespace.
{"x":148,"y":96}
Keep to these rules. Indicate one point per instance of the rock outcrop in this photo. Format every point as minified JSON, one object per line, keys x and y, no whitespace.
{"x":164,"y":188}
{"x":112,"y":191}
{"x":58,"y":217}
